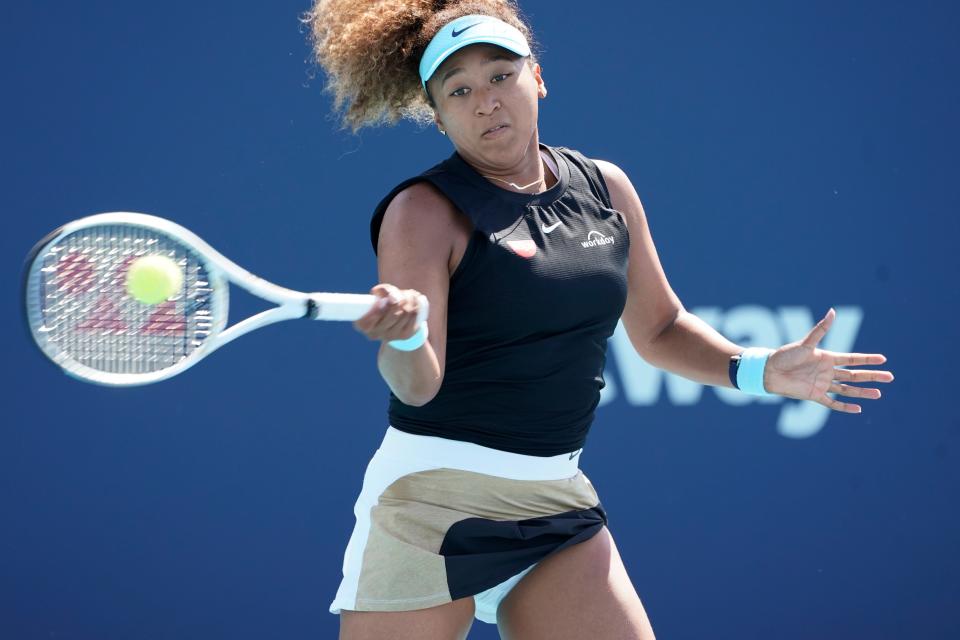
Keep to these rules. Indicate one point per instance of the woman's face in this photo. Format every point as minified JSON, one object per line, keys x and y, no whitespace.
{"x":485,"y":98}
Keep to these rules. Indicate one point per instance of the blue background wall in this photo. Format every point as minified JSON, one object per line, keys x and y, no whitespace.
{"x":822,"y":135}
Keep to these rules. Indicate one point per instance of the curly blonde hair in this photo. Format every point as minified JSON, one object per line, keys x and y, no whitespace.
{"x":371,"y":50}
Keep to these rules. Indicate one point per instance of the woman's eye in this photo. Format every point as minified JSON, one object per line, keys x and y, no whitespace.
{"x":462,"y":91}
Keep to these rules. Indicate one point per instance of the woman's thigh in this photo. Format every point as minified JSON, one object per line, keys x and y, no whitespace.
{"x":451,"y":621}
{"x":580,"y":592}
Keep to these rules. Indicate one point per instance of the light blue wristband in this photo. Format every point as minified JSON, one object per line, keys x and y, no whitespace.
{"x":412,"y":343}
{"x":753,"y":360}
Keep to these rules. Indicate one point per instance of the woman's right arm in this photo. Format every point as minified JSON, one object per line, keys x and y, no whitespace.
{"x":413,"y":255}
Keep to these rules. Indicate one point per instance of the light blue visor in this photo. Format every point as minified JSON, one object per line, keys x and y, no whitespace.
{"x":470,"y":30}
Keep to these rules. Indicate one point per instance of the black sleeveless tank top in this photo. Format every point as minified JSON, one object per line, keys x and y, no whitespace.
{"x":540,"y":288}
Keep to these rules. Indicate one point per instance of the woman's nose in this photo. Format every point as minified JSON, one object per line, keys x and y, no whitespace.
{"x":487,"y":103}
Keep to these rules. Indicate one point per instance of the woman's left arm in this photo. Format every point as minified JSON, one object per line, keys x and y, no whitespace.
{"x":669,"y":337}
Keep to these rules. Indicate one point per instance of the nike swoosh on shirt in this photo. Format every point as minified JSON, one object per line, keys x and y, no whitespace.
{"x":457,"y":33}
{"x":547,"y":229}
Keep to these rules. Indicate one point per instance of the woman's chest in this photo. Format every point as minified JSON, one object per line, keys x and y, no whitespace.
{"x":549,"y":268}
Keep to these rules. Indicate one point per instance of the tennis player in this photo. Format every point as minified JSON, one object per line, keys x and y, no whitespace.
{"x":474,"y":505}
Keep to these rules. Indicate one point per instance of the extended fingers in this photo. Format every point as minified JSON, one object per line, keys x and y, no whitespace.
{"x":855,"y":392}
{"x":836,"y":405}
{"x":862,"y":375}
{"x":856,"y":359}
{"x":817,"y":333}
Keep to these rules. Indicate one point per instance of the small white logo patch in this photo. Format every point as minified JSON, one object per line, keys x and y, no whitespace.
{"x":596,"y":239}
{"x":547,"y":229}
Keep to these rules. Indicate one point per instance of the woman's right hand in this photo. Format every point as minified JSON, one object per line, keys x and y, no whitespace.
{"x":393,"y":316}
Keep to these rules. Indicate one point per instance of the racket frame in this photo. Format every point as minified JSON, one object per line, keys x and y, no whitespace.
{"x":220,"y":270}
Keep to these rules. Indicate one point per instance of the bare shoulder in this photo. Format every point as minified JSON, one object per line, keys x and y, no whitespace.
{"x":421,"y":214}
{"x":623,"y":195}
{"x":608,"y":169}
{"x":617,"y":181}
{"x":421,"y":194}
{"x":422,"y":222}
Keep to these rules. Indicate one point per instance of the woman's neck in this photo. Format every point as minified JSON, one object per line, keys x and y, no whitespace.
{"x":541,"y":176}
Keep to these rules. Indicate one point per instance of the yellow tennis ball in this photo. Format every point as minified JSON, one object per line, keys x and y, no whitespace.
{"x":153,"y":279}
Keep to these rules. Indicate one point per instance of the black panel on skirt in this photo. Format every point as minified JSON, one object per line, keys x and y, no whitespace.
{"x":481,"y":553}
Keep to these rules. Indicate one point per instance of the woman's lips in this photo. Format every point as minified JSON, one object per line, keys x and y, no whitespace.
{"x":495,"y":132}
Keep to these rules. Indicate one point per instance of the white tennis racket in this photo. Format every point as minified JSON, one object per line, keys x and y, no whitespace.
{"x":82,"y":318}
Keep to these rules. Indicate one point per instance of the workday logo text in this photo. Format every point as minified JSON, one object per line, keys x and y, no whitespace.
{"x":596,"y":239}
{"x":642,"y":384}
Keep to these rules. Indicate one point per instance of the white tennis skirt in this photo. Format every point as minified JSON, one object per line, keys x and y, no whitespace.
{"x":438,"y":520}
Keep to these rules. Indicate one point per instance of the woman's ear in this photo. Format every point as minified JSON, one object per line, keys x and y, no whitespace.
{"x":541,"y":85}
{"x":439,"y":123}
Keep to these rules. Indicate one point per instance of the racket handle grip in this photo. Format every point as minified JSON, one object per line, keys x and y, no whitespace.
{"x":338,"y":306}
{"x":350,"y":306}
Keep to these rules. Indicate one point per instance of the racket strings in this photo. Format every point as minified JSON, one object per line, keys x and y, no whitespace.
{"x":87,"y":317}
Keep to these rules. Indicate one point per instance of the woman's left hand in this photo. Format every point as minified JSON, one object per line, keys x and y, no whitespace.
{"x":800,"y":370}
